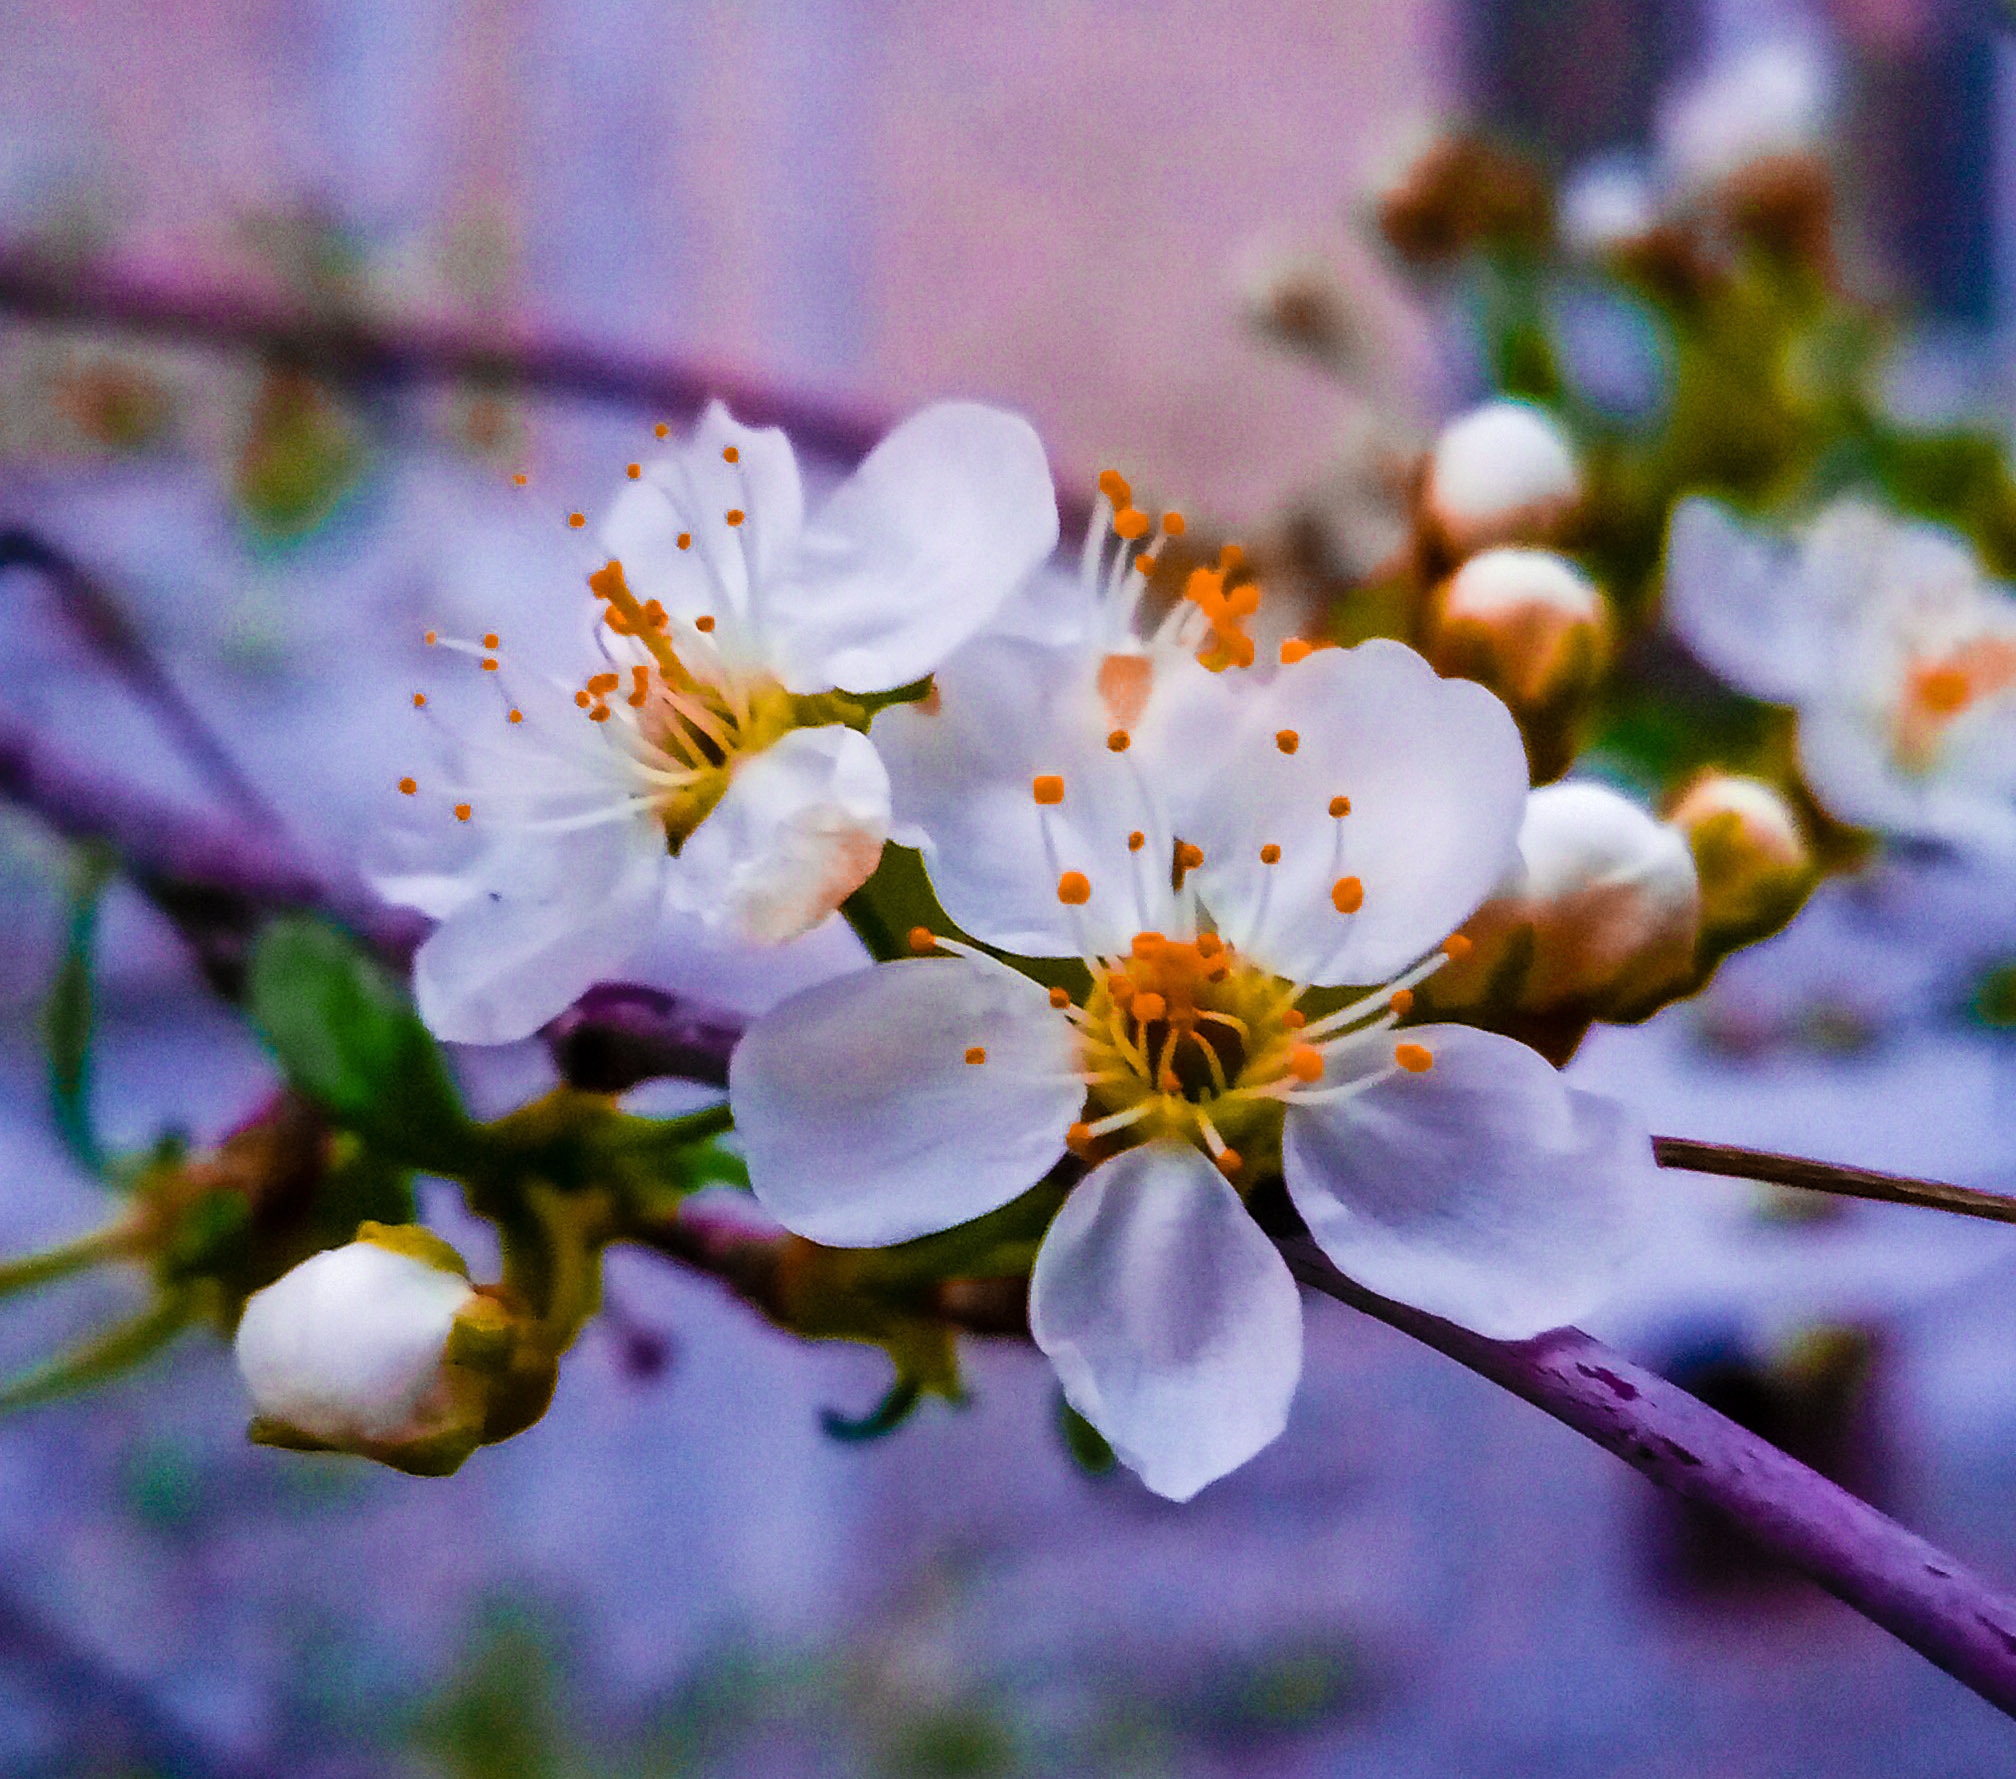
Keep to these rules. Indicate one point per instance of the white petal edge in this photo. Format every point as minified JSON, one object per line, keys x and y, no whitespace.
{"x":914,"y":553}
{"x":1486,"y":1190}
{"x":863,"y":1122}
{"x":1172,"y":1320}
{"x":502,"y":964}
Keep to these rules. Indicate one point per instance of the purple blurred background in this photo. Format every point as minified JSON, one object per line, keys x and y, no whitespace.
{"x":1055,"y":206}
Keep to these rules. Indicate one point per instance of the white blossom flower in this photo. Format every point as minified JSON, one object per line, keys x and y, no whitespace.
{"x":348,"y":1348}
{"x":710,"y":761}
{"x":1893,"y":645}
{"x":1237,"y":851}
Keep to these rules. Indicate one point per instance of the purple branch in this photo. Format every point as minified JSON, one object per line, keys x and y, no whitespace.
{"x":1893,"y":1577}
{"x":354,"y":350}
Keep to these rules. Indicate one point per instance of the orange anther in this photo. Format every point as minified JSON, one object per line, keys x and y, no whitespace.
{"x":654,"y":615}
{"x":734,"y":515}
{"x":419,"y":700}
{"x":977,"y":1054}
{"x":604,"y":682}
{"x":704,"y":623}
{"x":633,"y":470}
{"x":491,"y":642}
{"x":729,"y":454}
{"x":1119,"y":741}
{"x":1173,"y":524}
{"x":1348,"y":894}
{"x":489,"y":663}
{"x":1295,"y":649}
{"x":600,"y":714}
{"x":1059,"y":999}
{"x":518,"y":481}
{"x":1148,"y":1007}
{"x":1130,"y":523}
{"x":1287,"y":740}
{"x":1189,"y":856}
{"x":1401,"y":1001}
{"x":1229,"y":1162}
{"x":1074,"y":888}
{"x":1270,"y":854}
{"x":1048,"y":787}
{"x":1136,"y":840}
{"x":1144,"y":564}
{"x":582,"y":699}
{"x":1209,"y":945}
{"x":431,"y":638}
{"x":463,"y":812}
{"x":1078,"y":1138}
{"x":1170,"y":1082}
{"x":516,"y":716}
{"x":577,"y":520}
{"x":661,"y":429}
{"x":923,"y":941}
{"x":1340,"y":807}
{"x":1230,"y":558}
{"x":640,"y":686}
{"x":1294,"y":1019}
{"x":685,"y":540}
{"x":1113,"y":485}
{"x":1305,"y":1063}
{"x":408,"y":786}
{"x":1416,"y":1059}
{"x":1148,"y":944}
{"x":1456,"y":948}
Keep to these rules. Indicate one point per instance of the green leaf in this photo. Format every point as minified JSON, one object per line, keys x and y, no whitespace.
{"x":1086,"y":1444}
{"x":348,"y":1038}
{"x":67,"y":1013}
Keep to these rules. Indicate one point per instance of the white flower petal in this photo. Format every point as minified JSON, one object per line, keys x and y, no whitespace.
{"x":1736,"y":599}
{"x":799,"y":831}
{"x":348,"y":1345}
{"x":1436,"y":775}
{"x":962,"y":774}
{"x":519,"y":951}
{"x":1172,"y":1321}
{"x":1485,"y":1190}
{"x":691,"y":490}
{"x":914,"y":553}
{"x":862,"y":1120}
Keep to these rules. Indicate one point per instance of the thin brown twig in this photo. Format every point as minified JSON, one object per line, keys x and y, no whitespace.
{"x":1827,"y":1176}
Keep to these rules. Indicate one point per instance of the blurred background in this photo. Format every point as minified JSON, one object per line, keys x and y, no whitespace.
{"x":840,"y":210}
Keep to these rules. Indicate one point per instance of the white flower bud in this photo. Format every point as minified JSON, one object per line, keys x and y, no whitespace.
{"x":1535,"y":629}
{"x":1600,"y":915}
{"x":1605,"y":206}
{"x":1750,"y":854}
{"x":1503,"y":470}
{"x":1772,"y":99}
{"x":348,"y":1348}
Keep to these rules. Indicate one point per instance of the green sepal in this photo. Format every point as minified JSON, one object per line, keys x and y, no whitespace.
{"x":1084,"y":1442}
{"x":899,"y":1402}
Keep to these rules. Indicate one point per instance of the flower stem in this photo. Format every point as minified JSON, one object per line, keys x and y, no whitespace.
{"x":1827,"y":1176}
{"x":1893,"y":1577}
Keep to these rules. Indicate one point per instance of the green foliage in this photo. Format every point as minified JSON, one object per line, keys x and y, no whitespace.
{"x":67,"y":1012}
{"x":347,"y":1038}
{"x":1085,"y":1443}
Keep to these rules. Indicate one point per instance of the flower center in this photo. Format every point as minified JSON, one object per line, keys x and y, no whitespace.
{"x":1941,"y":689}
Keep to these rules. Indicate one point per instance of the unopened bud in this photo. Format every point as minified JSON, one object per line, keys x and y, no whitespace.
{"x":1750,"y":853}
{"x":1599,"y":916}
{"x":1302,"y":303}
{"x":1504,"y":472}
{"x":367,"y":1348}
{"x":1536,"y":630}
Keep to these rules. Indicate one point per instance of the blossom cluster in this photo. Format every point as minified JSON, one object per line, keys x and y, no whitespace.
{"x":1196,"y":896}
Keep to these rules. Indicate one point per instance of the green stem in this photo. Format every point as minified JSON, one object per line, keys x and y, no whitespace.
{"x":97,"y":1360}
{"x":114,"y":1242}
